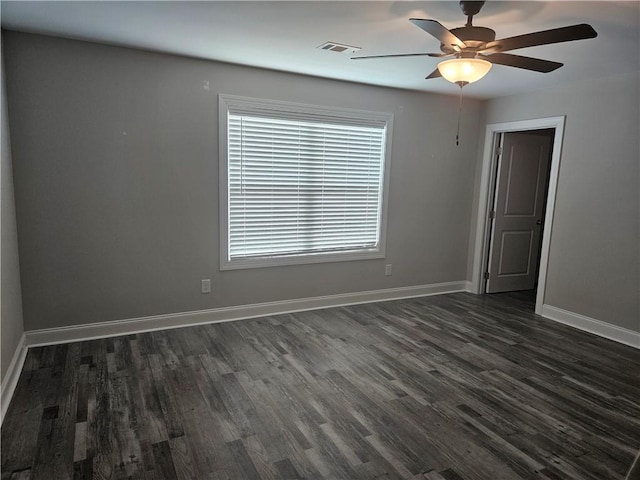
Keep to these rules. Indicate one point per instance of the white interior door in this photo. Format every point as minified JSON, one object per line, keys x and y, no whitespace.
{"x":521,"y":183}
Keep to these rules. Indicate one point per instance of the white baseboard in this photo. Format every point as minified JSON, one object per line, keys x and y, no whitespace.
{"x":591,"y":325}
{"x":77,"y":333}
{"x":10,"y":380}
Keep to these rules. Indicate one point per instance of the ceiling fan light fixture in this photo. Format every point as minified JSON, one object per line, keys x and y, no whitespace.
{"x":464,"y":70}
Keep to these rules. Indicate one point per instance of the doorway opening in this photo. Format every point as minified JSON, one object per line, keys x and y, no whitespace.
{"x":515,"y":209}
{"x":519,"y":193}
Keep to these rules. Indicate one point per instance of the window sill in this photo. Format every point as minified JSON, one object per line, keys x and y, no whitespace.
{"x":263,"y":262}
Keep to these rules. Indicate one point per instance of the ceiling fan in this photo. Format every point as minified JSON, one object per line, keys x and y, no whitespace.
{"x":475,"y":49}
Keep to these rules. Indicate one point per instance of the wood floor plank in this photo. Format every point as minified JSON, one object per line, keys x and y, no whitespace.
{"x":164,"y":460}
{"x":447,"y":387}
{"x":55,"y":444}
{"x":183,"y":461}
{"x":258,"y":455}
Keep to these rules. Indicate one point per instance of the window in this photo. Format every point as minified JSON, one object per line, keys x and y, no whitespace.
{"x":300,"y":183}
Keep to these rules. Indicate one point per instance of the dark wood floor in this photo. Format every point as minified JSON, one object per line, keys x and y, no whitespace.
{"x":441,"y":388}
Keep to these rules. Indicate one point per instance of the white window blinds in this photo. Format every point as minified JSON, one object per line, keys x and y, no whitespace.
{"x":302,"y":184}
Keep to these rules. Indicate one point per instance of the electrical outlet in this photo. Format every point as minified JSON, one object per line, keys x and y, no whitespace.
{"x":387,"y":269}
{"x":205,"y":285}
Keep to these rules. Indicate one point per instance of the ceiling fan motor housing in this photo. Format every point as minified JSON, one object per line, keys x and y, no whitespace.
{"x":475,"y":38}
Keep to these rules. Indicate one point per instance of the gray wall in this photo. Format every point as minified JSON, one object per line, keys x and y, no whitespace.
{"x":11,"y":328}
{"x":594,"y":256}
{"x":116,"y":178}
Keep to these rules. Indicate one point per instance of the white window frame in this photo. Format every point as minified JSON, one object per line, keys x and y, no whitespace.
{"x":298,"y":110}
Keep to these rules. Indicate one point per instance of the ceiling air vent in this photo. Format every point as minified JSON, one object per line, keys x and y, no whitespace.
{"x":338,"y":47}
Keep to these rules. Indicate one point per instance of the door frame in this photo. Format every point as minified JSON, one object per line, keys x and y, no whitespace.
{"x":487,"y":180}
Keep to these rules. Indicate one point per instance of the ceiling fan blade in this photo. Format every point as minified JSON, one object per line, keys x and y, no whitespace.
{"x":398,"y":55}
{"x":434,"y":74}
{"x":518,"y":61}
{"x":545,"y":37}
{"x":440,"y":55}
{"x":439,"y":31}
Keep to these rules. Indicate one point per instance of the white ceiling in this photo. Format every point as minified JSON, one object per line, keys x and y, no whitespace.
{"x":284,"y":35}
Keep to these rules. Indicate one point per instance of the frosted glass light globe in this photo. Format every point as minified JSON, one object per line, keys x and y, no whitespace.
{"x":466,"y":70}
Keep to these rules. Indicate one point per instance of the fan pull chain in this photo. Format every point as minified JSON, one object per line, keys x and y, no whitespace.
{"x":459,"y":115}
